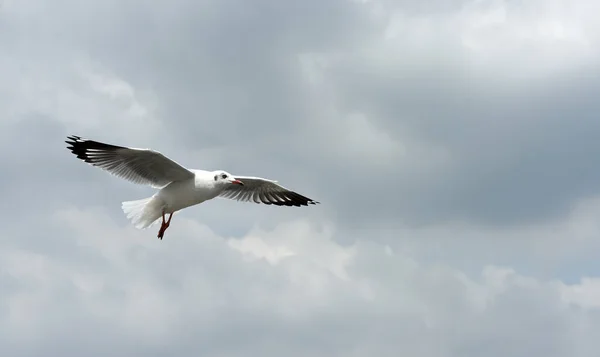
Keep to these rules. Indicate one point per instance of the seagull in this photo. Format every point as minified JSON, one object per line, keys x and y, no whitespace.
{"x":179,"y":187}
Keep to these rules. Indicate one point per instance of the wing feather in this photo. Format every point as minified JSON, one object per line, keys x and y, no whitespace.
{"x":269,"y":192}
{"x":140,"y":166}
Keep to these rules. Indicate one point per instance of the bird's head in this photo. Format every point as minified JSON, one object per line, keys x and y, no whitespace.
{"x":225,"y":178}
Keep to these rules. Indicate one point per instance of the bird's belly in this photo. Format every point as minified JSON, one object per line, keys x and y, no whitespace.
{"x":179,"y":195}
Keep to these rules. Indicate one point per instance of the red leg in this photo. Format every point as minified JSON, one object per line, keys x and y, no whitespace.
{"x":164,"y":225}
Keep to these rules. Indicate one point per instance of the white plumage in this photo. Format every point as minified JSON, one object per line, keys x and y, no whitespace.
{"x":178,"y":186}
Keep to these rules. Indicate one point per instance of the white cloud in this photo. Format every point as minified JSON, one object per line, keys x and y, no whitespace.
{"x":289,"y":240}
{"x":586,"y":294}
{"x":194,"y":281}
{"x":79,"y":94}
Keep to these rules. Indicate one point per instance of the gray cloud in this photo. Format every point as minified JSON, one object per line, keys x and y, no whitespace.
{"x":220,"y":84}
{"x":471,"y":125}
{"x":195,"y":294}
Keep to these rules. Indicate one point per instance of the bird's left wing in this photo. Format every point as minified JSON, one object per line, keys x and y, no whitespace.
{"x":141,"y":166}
{"x":260,"y":190}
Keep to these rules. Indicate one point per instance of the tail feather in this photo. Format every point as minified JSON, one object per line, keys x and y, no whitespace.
{"x":143,"y":213}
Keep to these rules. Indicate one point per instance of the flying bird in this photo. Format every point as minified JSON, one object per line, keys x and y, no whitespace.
{"x":179,"y":187}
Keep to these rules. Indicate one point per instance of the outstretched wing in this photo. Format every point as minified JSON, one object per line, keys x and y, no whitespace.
{"x":140,"y":166}
{"x":260,"y":190}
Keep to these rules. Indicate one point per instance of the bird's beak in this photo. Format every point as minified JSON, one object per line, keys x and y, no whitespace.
{"x":238,"y":182}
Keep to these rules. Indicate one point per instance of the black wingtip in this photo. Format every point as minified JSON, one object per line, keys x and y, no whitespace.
{"x":299,"y":200}
{"x":81,"y":147}
{"x":72,"y":141}
{"x":73,"y":138}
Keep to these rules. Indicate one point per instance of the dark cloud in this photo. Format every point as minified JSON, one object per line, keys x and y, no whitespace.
{"x":519,"y":156}
{"x":238,"y":85}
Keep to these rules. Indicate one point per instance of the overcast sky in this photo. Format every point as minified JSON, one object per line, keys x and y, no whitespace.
{"x":453,"y":145}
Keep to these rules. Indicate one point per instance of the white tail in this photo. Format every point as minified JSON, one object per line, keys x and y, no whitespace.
{"x":143,"y":213}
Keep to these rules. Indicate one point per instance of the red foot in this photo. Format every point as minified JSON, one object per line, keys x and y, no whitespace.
{"x":164,"y":225}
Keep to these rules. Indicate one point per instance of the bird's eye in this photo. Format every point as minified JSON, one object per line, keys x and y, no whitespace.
{"x":224,"y":176}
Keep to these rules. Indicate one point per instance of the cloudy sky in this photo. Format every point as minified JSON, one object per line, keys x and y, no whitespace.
{"x":453,"y":145}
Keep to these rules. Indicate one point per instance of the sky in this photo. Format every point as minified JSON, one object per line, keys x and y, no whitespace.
{"x":453,"y":145}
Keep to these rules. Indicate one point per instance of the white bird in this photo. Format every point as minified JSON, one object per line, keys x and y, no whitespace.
{"x":179,"y":187}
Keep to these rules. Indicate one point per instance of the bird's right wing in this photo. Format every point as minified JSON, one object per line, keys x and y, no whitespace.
{"x":261,"y":190}
{"x":140,"y":166}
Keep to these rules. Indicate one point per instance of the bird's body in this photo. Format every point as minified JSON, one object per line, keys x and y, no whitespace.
{"x":179,"y":187}
{"x":182,"y":194}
